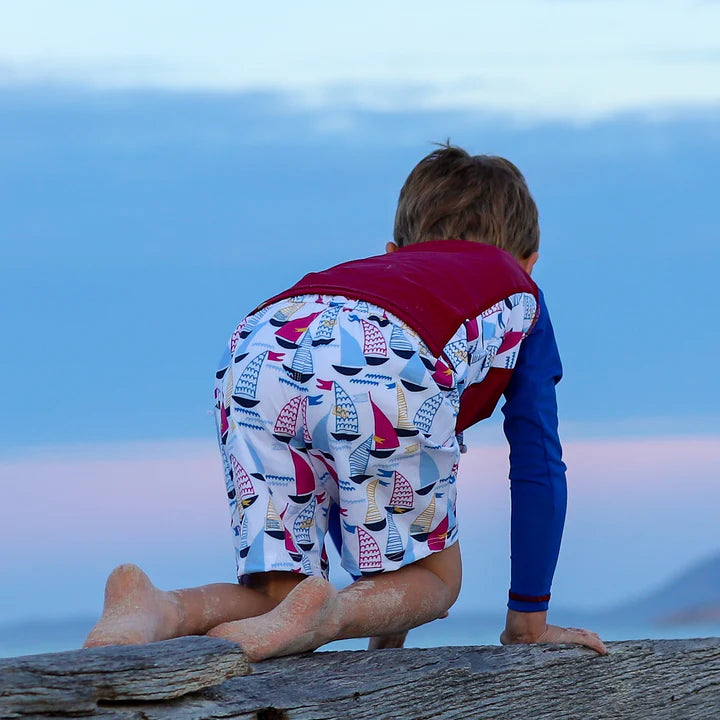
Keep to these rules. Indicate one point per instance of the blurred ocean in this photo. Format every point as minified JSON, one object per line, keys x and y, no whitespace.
{"x":687,"y":606}
{"x":54,"y":636}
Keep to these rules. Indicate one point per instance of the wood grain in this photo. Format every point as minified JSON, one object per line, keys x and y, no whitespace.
{"x":187,"y":679}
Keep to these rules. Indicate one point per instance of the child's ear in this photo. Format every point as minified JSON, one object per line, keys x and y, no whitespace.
{"x":391,"y":247}
{"x":529,"y":262}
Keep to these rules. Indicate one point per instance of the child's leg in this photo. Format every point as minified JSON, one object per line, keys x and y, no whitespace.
{"x":314,"y":613}
{"x":383,"y":642}
{"x":136,"y":611}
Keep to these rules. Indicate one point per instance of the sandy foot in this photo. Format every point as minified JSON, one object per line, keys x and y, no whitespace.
{"x":135,"y":611}
{"x":303,"y":621}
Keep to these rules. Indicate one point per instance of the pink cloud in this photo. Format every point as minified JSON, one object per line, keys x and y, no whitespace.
{"x":639,"y":510}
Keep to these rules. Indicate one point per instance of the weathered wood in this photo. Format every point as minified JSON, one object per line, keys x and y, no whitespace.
{"x":74,"y":682}
{"x":661,"y":679}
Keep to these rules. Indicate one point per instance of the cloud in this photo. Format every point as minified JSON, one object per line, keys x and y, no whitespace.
{"x":640,"y":510}
{"x":527,"y":59}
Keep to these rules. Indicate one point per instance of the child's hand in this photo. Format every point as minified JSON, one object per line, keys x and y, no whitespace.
{"x":533,"y":628}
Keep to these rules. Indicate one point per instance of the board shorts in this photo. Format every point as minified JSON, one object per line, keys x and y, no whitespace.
{"x":322,"y":401}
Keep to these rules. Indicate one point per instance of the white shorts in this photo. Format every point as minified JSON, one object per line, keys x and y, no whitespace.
{"x":325,"y":400}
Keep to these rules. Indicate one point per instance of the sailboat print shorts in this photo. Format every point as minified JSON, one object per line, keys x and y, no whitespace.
{"x":321,"y":400}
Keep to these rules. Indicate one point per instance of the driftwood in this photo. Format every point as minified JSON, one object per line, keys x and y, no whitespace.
{"x":188,"y":678}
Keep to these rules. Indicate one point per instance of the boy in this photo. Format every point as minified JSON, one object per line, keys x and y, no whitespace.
{"x":338,"y":402}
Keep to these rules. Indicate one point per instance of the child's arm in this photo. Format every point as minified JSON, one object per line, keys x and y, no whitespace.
{"x":538,"y":489}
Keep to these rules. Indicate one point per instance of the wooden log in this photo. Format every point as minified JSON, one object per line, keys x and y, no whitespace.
{"x":75,"y":682}
{"x":659,"y":679}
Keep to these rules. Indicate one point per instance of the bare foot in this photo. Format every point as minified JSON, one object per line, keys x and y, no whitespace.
{"x":303,"y":621}
{"x":135,"y":611}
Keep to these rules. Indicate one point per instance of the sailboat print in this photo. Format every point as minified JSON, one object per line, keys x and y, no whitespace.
{"x":273,"y":521}
{"x":402,"y":498}
{"x":227,"y":423}
{"x":369,"y":556}
{"x":452,"y":524}
{"x":249,"y":325}
{"x":304,"y":478}
{"x":237,"y":335}
{"x":224,"y":414}
{"x":374,"y":520}
{"x":471,"y":330}
{"x":381,"y":321}
{"x":454,"y":398}
{"x":285,"y":313}
{"x":223,"y":365}
{"x":428,"y":474}
{"x":288,"y":336}
{"x":412,"y":376}
{"x":293,"y":551}
{"x":425,"y":356}
{"x":328,"y":467}
{"x":346,"y":416}
{"x":426,"y":413}
{"x":437,"y":537}
{"x":243,"y":483}
{"x":301,"y":527}
{"x":385,"y":440}
{"x":244,"y":544}
{"x":443,"y":375}
{"x":420,"y":527}
{"x":404,"y":427}
{"x":328,"y":320}
{"x":245,"y":392}
{"x":374,"y":346}
{"x":359,"y":459}
{"x":301,"y":368}
{"x":229,"y":481}
{"x":394,"y":549}
{"x":510,"y":340}
{"x":490,"y":352}
{"x":286,"y":425}
{"x":352,"y":360}
{"x":400,"y":344}
{"x":456,"y":353}
{"x":307,"y":437}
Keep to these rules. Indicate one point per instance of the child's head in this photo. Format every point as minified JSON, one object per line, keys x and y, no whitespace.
{"x":451,"y":194}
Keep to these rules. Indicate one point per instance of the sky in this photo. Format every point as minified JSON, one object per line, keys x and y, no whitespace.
{"x":557,"y":58}
{"x":164,"y":168}
{"x":161,"y":506}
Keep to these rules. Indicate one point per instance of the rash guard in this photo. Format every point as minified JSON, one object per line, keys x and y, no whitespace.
{"x":537,"y":472}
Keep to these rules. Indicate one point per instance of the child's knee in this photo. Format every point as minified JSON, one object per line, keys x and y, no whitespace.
{"x":447,"y":566}
{"x":275,"y":584}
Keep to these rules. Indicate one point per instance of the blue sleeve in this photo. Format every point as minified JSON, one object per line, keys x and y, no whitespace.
{"x":537,"y":473}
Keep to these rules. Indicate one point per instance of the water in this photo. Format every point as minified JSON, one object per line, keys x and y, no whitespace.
{"x":30,"y":638}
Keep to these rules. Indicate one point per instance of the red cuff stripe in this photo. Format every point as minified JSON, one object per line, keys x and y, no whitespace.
{"x":529,"y":598}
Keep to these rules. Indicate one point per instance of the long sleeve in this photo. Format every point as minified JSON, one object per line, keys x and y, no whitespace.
{"x":537,"y":472}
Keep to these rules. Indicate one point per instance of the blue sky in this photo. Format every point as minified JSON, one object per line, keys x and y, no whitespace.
{"x":141,"y":225}
{"x":163,"y":170}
